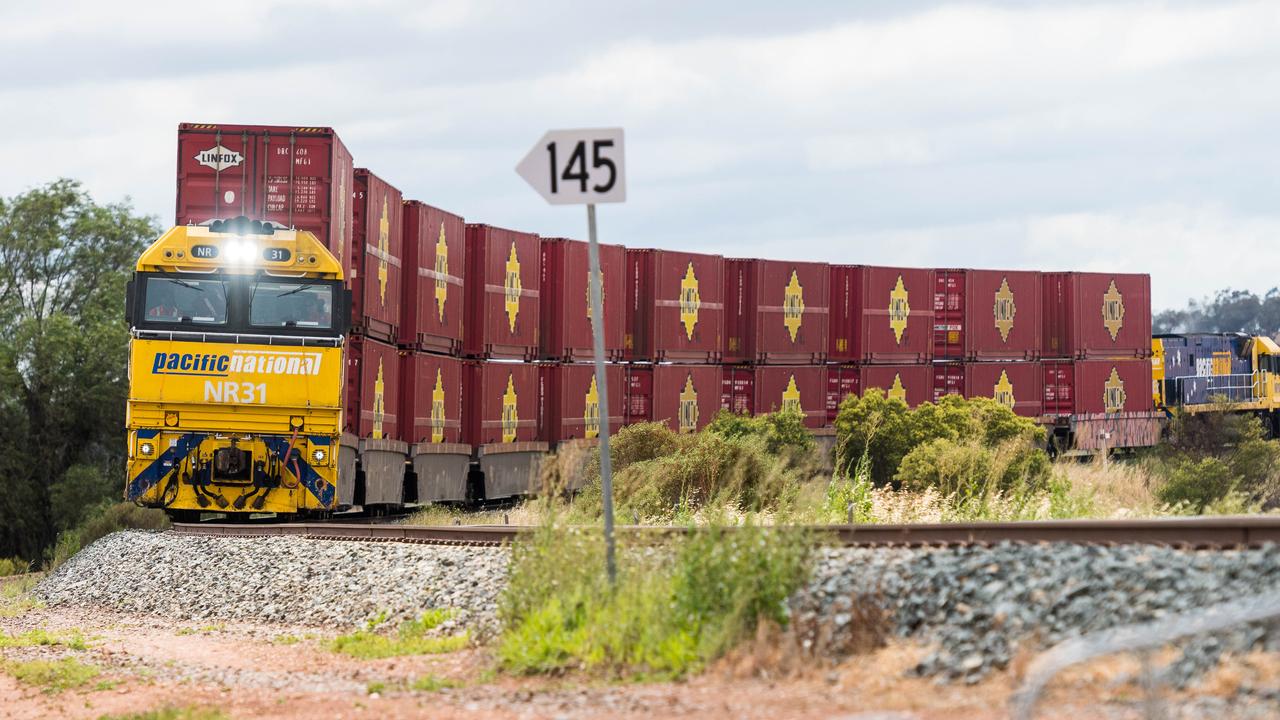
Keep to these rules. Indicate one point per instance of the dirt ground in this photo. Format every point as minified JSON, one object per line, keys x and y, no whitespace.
{"x":241,"y":670}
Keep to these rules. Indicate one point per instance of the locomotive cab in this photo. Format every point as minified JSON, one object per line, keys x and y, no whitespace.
{"x":235,"y":371}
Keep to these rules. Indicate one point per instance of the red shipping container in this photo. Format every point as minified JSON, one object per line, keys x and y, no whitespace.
{"x":571,"y":401}
{"x":775,"y":312}
{"x":675,"y":306}
{"x":842,"y":381}
{"x":1097,"y":315}
{"x":376,"y":253}
{"x":987,"y":314}
{"x":686,"y":397}
{"x":738,"y":390}
{"x":503,"y":273}
{"x":1084,"y":387}
{"x":802,"y":388}
{"x":299,"y":177}
{"x":913,"y":384}
{"x":434,"y":261}
{"x":881,"y":315}
{"x":566,"y":300}
{"x":500,"y":403}
{"x":372,"y":397}
{"x":1019,"y":385}
{"x":948,"y":379}
{"x":430,"y":398}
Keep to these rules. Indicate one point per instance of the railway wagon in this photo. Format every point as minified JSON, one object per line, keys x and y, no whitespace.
{"x":236,"y":371}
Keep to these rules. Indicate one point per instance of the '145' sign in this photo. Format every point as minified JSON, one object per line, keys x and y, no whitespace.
{"x":570,"y":167}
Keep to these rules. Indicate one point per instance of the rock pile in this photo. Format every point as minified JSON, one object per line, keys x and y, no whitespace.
{"x":980,"y":604}
{"x":281,"y":579}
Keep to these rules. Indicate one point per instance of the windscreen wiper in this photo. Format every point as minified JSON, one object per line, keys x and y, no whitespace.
{"x":186,"y":284}
{"x":287,"y":293}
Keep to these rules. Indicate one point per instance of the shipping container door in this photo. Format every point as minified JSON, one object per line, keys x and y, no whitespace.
{"x":1059,"y":387}
{"x":639,"y":394}
{"x":215,"y":175}
{"x":738,"y":391}
{"x":842,"y":381}
{"x":948,"y":379}
{"x":948,"y":314}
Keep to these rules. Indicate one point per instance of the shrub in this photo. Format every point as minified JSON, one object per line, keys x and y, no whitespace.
{"x":784,"y":433}
{"x":13,"y":566}
{"x":968,"y":468}
{"x":887,"y":432}
{"x":1197,"y":483}
{"x":675,"y":607}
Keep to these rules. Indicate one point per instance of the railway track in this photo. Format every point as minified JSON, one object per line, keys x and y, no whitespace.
{"x":1195,"y":533}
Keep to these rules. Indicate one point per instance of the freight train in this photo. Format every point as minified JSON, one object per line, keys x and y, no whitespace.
{"x":452,"y":358}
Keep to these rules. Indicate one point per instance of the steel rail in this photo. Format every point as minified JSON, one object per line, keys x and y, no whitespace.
{"x":1195,"y":533}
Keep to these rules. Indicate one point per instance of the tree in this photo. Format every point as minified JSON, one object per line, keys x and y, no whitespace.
{"x":64,"y":265}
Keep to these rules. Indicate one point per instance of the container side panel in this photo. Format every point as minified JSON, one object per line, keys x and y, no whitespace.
{"x":434,"y":265}
{"x":1112,"y":386}
{"x":379,"y":369}
{"x":434,"y":414}
{"x":379,"y":239}
{"x":896,"y":314}
{"x":503,"y":281}
{"x":504,"y":397}
{"x":689,"y":306}
{"x":572,"y":401}
{"x":1002,"y":315}
{"x":566,"y":300}
{"x":795,"y":388}
{"x":686,"y":397}
{"x":1019,"y":385}
{"x":791,"y":302}
{"x":913,"y":384}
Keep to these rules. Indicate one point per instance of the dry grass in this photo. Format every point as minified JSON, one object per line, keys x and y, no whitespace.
{"x":529,"y":512}
{"x":1120,"y":489}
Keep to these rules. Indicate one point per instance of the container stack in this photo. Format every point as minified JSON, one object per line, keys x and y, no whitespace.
{"x":471,"y":345}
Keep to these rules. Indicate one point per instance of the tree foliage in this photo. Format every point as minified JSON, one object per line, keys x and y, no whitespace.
{"x":1228,"y":311}
{"x":64,"y":264}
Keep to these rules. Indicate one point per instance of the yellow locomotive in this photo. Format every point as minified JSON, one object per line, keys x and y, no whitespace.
{"x":236,"y":371}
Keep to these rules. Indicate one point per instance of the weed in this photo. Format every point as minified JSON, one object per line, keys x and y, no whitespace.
{"x":433,"y":683}
{"x":375,"y":687}
{"x":13,"y":566}
{"x":675,"y":607}
{"x":15,"y":596}
{"x":52,"y":675}
{"x":286,"y":640}
{"x":73,"y":640}
{"x":202,"y":630}
{"x":413,"y":637}
{"x":106,"y":520}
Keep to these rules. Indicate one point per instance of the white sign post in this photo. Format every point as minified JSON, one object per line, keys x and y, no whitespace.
{"x":585,"y":167}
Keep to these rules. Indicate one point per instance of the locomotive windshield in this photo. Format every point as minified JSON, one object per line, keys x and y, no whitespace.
{"x":186,"y":300}
{"x":275,"y":304}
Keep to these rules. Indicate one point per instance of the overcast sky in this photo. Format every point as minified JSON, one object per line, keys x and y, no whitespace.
{"x":1096,"y":136}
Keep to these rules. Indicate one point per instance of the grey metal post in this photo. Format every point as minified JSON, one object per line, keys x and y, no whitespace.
{"x":602,"y":389}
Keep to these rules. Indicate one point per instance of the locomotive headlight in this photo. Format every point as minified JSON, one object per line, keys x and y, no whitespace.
{"x":146,"y":449}
{"x":318,"y":455}
{"x":241,"y":251}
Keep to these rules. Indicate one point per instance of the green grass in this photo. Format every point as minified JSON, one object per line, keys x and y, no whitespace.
{"x":376,"y":687}
{"x":106,"y":520}
{"x":411,"y":638}
{"x":13,"y":566}
{"x":73,"y":639}
{"x":171,"y":713}
{"x":53,"y":676}
{"x":15,"y":596}
{"x":286,"y":640}
{"x":675,"y":608}
{"x":202,"y":630}
{"x":433,"y":683}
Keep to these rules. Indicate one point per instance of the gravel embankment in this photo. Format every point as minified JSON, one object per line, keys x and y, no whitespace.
{"x":280,"y":579}
{"x":978,"y":605}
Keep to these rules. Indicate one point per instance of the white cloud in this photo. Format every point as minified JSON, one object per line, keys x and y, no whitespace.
{"x":1129,"y":136}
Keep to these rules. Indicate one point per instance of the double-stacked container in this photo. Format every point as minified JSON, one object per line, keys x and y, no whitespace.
{"x":500,"y":421}
{"x":434,"y":298}
{"x":675,"y":306}
{"x":1101,"y":404}
{"x":502,"y":289}
{"x":982,"y":315}
{"x":372,"y":425}
{"x":685,"y":397}
{"x":297,"y":177}
{"x":881,"y":315}
{"x":431,"y":417}
{"x":772,"y":388}
{"x":572,"y":410}
{"x":566,"y":300}
{"x":775,"y":312}
{"x":374,"y":269}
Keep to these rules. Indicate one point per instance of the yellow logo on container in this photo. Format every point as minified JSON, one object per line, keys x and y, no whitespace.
{"x":899,"y":310}
{"x":1003,"y":393}
{"x":379,"y":404}
{"x":384,"y":238}
{"x":1113,"y":395}
{"x":791,"y":396}
{"x":510,"y":417}
{"x":1113,"y":310}
{"x":511,"y":288}
{"x":688,"y":419}
{"x":897,"y":391}
{"x":793,"y":306}
{"x":591,"y":416}
{"x":1004,"y":310}
{"x":437,"y":409}
{"x":690,"y":301}
{"x":442,"y":273}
